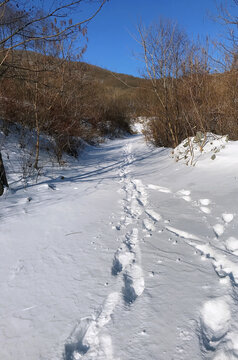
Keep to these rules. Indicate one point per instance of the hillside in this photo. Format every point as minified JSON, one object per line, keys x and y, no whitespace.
{"x":65,"y":99}
{"x":109,"y":79}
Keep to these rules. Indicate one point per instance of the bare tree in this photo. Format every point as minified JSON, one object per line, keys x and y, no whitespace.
{"x":164,"y":50}
{"x":3,"y":178}
{"x":227,"y":46}
{"x":178,"y":71}
{"x":20,"y":20}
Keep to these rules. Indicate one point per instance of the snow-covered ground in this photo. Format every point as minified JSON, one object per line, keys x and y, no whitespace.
{"x":125,"y":254}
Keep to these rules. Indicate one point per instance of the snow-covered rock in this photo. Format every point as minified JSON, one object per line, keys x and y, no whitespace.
{"x":199,"y":147}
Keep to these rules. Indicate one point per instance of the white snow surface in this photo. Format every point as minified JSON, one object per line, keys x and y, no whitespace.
{"x":215,"y":318}
{"x":102,"y":259}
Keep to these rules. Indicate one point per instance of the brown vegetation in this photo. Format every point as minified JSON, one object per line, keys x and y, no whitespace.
{"x":184,"y":95}
{"x":58,"y":97}
{"x":43,"y":89}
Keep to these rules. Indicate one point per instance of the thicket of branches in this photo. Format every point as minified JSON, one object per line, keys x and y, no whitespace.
{"x":188,"y":90}
{"x":53,"y":96}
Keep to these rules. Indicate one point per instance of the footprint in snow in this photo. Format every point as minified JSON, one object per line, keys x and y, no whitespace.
{"x":186,"y":198}
{"x":148,"y":225}
{"x":126,"y":253}
{"x":232,"y":245}
{"x":85,"y":338}
{"x":204,"y":205}
{"x":216,"y":333}
{"x":159,"y":188}
{"x":122,"y":258}
{"x":218,"y":229}
{"x":215,"y":320}
{"x":142,"y":194}
{"x":205,"y":210}
{"x":185,"y":195}
{"x":227,"y":218}
{"x":134,"y":283}
{"x":205,"y":202}
{"x":127,"y":260}
{"x":133,"y":209}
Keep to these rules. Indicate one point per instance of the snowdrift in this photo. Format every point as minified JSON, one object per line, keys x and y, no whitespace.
{"x":199,"y":147}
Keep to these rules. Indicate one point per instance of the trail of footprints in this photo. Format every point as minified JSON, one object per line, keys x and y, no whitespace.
{"x":127,"y":259}
{"x":216,"y":316}
{"x":87,"y":338}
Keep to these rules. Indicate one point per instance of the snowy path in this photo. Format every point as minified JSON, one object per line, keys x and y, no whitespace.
{"x":127,"y":257}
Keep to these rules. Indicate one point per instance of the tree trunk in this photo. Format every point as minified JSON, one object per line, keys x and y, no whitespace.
{"x":3,"y":178}
{"x":37,"y":140}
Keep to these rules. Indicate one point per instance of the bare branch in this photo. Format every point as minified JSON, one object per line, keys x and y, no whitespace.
{"x":49,"y":15}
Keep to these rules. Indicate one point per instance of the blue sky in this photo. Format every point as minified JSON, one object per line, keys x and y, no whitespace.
{"x":111,"y":44}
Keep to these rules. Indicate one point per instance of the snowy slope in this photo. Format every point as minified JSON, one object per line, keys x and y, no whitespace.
{"x":128,"y":256}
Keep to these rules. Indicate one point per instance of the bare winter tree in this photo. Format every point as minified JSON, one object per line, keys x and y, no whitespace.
{"x":228,"y":47}
{"x":178,"y":71}
{"x":21,"y":21}
{"x":3,"y":178}
{"x":164,"y":50}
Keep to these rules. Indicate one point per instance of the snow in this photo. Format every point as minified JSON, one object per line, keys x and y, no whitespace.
{"x":205,"y":209}
{"x":85,"y":337}
{"x":182,"y":234}
{"x":159,"y":188}
{"x":232,"y":244}
{"x":218,"y":229}
{"x":227,"y":217}
{"x":199,"y":147}
{"x":138,"y":124}
{"x":149,"y":226}
{"x":215,"y":319}
{"x":120,"y":254}
{"x":205,"y":202}
{"x":153,"y":215}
